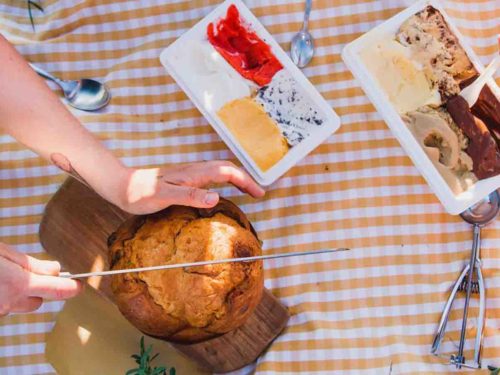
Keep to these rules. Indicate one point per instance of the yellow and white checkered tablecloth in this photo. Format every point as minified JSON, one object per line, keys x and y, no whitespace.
{"x":356,"y":312}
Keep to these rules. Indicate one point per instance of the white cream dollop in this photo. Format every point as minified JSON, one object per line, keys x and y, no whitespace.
{"x":208,"y":75}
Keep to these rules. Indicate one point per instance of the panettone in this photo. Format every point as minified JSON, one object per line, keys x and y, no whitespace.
{"x":190,"y":304}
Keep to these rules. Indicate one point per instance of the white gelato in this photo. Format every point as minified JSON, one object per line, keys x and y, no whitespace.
{"x":286,"y":103}
{"x":213,"y":80}
{"x":402,"y":79}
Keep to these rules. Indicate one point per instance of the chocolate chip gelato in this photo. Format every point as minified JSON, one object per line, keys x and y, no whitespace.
{"x":437,"y":48}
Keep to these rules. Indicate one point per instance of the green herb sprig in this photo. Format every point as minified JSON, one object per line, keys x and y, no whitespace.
{"x":494,"y":370}
{"x":144,"y":359}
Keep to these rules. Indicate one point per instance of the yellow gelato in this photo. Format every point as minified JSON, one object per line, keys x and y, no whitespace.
{"x":256,"y":132}
{"x":404,"y":82}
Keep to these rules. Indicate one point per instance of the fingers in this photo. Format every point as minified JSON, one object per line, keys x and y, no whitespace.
{"x":22,"y":290}
{"x":53,"y":288}
{"x":202,"y":174}
{"x":150,"y":190}
{"x":43,"y":267}
{"x":189,"y":196}
{"x":227,"y":172}
{"x":27,"y":305}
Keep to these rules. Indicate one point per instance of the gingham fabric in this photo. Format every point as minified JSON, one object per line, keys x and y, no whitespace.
{"x":372,"y":310}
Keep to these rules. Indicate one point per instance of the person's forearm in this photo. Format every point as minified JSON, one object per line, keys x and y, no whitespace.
{"x":35,"y":116}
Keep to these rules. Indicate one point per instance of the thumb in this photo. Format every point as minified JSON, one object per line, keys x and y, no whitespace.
{"x":189,"y":196}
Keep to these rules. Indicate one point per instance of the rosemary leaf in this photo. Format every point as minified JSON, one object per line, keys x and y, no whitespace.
{"x":144,"y":359}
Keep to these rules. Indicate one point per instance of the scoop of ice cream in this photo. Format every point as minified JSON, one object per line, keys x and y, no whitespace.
{"x":284,"y":100}
{"x":404,"y":82}
{"x":437,"y":49}
{"x":257,"y":133}
{"x":442,"y":146}
{"x":216,"y":82}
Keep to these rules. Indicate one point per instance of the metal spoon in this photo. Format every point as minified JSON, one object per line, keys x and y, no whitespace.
{"x":85,"y":94}
{"x":302,"y":47}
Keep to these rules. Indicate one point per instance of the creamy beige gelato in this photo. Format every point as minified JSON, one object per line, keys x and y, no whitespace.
{"x":444,"y":144}
{"x":402,"y":79}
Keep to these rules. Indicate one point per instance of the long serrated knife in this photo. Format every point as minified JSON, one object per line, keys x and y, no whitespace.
{"x":196,"y":264}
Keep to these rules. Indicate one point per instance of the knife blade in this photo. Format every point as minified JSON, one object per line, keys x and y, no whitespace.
{"x":197,"y":264}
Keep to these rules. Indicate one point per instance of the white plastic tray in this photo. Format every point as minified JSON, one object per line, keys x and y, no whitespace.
{"x":454,"y":204}
{"x":296,"y":153}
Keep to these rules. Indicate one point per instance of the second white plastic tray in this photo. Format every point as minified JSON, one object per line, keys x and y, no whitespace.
{"x":454,"y":204}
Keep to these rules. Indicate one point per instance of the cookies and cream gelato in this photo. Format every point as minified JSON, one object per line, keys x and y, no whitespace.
{"x":286,"y":103}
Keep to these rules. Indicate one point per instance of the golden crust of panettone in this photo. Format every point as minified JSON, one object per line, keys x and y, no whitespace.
{"x":191,"y":304}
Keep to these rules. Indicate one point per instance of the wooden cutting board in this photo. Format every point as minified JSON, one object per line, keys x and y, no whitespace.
{"x":74,"y":229}
{"x":92,"y":337}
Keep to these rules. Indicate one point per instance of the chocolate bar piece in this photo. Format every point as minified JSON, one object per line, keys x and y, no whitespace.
{"x":482,"y":147}
{"x":487,"y":107}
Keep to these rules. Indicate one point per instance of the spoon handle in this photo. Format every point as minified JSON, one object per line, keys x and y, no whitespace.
{"x":476,"y":244}
{"x":44,"y":74}
{"x":471,"y":92}
{"x":306,"y":14}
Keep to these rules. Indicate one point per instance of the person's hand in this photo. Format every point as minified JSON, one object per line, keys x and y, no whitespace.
{"x":150,"y":190}
{"x":26,"y":281}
